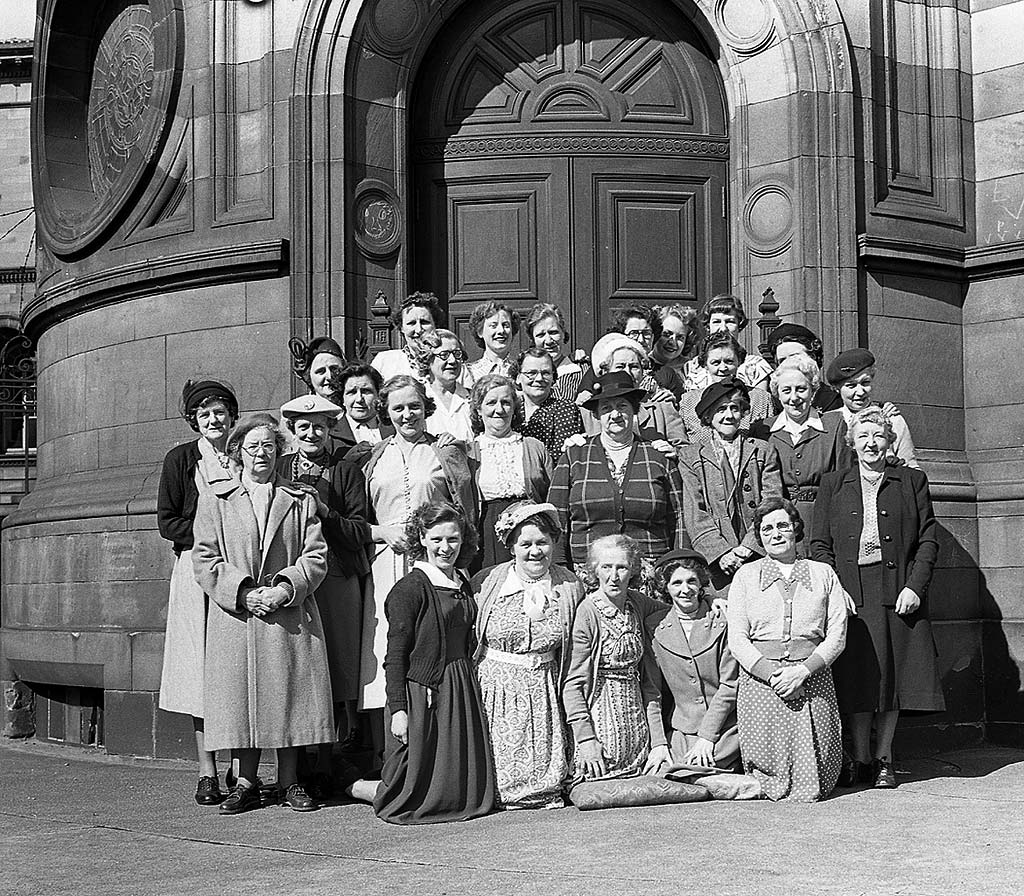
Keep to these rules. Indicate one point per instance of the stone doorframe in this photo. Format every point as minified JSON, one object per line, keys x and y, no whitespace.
{"x":786,"y":69}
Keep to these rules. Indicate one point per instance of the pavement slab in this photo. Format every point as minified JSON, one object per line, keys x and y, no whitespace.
{"x":80,"y":824}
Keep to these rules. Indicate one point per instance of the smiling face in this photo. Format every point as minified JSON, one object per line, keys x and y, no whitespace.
{"x":360,"y":400}
{"x":613,"y":572}
{"x":725,"y":419}
{"x":415,"y":322}
{"x":787,"y":349}
{"x":536,"y":377}
{"x":795,"y":395}
{"x":407,"y":414}
{"x":870,"y":442}
{"x":616,"y":417}
{"x":442,"y":544}
{"x":446,"y":363}
{"x":311,"y":433}
{"x":723,"y":322}
{"x":626,"y":359}
{"x":532,"y":551}
{"x":259,"y":453}
{"x":722,"y":363}
{"x":496,"y":411}
{"x":324,"y":372}
{"x":639,"y":330}
{"x":778,"y":536}
{"x":496,"y":332}
{"x":673,"y":338}
{"x":856,"y":391}
{"x":214,"y":420}
{"x":548,"y":335}
{"x":684,"y":588}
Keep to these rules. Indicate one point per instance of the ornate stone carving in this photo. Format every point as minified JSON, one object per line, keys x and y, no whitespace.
{"x":768,"y":218}
{"x":747,"y":25}
{"x":580,"y":143}
{"x":377,"y":221}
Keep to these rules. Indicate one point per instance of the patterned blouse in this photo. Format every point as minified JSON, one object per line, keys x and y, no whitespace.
{"x":552,"y":423}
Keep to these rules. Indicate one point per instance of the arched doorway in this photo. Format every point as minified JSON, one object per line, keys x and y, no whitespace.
{"x":572,"y":151}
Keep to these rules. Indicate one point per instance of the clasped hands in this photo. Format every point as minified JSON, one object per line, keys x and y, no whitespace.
{"x":265,"y":599}
{"x":788,"y":681}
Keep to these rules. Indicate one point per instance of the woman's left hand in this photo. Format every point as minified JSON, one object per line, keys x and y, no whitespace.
{"x":445,"y":439}
{"x":719,"y":606}
{"x":701,"y":753}
{"x":663,"y":394}
{"x":658,"y":758}
{"x":907,"y":602}
{"x":664,"y":446}
{"x":787,"y":680}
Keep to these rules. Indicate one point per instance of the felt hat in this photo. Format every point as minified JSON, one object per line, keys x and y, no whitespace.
{"x":848,"y":364}
{"x":195,"y":393}
{"x":680,"y":554}
{"x":789,"y":333}
{"x":308,"y":405}
{"x":613,"y":385}
{"x":714,"y":393}
{"x":514,"y":514}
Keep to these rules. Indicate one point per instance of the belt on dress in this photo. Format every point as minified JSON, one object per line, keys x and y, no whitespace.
{"x":806,"y":495}
{"x":795,"y":649}
{"x":524,"y":660}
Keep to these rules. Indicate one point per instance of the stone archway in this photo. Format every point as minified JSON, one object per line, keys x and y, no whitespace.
{"x":787,"y":76}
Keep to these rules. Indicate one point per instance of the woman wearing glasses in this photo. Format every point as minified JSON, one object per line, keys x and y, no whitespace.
{"x":643,"y":325}
{"x":547,"y":419}
{"x":787,"y":625}
{"x":441,"y":360}
{"x":260,"y":555}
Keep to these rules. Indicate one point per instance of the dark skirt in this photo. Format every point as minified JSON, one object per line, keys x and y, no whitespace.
{"x":340,"y":602}
{"x":889,"y":660}
{"x":492,"y":551}
{"x":792,"y":747}
{"x":445,"y":772}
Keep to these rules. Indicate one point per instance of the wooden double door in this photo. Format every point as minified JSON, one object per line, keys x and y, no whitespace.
{"x":570,"y":151}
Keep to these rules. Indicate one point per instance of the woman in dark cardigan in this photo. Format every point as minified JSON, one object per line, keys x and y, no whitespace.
{"x":211,"y":410}
{"x":438,"y":765}
{"x":875,"y":525}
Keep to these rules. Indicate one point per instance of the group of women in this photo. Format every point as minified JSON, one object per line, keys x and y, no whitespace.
{"x":510,"y":579}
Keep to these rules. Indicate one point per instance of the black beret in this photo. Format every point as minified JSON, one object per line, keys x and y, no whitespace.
{"x":714,"y":393}
{"x":789,"y":333}
{"x":849,"y":364}
{"x":681,"y":554}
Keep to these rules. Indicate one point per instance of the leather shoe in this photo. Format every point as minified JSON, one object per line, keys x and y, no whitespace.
{"x":884,"y":774}
{"x":229,"y":779}
{"x":295,"y":797}
{"x":847,"y":772}
{"x":241,"y":799}
{"x":208,"y":791}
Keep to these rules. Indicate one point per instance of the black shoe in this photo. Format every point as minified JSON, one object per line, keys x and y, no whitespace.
{"x":847,"y":772}
{"x":320,"y":785}
{"x":230,"y":780}
{"x":296,"y":798}
{"x":208,"y":791}
{"x":884,"y":774}
{"x":241,"y":799}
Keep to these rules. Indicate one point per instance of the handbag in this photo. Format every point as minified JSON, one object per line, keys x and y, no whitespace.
{"x":638,"y":790}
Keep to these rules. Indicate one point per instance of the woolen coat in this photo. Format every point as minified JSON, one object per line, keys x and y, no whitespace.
{"x":178,"y":495}
{"x":907,"y":531}
{"x":701,"y":674}
{"x":267,"y":682}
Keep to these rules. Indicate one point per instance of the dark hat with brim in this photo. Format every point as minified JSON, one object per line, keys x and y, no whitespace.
{"x":715,"y":393}
{"x":846,"y":365}
{"x":789,"y":333}
{"x":680,"y":554}
{"x":194,"y":394}
{"x":613,"y":385}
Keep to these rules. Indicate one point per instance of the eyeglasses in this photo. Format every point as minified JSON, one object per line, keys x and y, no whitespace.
{"x":260,"y":448}
{"x":781,"y":528}
{"x":538,"y":374}
{"x":639,"y":335}
{"x":448,"y":354}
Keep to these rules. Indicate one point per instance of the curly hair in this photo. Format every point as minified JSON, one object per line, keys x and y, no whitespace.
{"x":517,"y":365}
{"x":722,"y":339}
{"x":479,"y":392}
{"x":246,"y":425}
{"x":361,"y":369}
{"x":621,"y":316}
{"x":874,"y":415}
{"x":486,"y":310}
{"x":434,"y":513}
{"x":420,"y":300}
{"x":770,"y":505}
{"x":741,"y":398}
{"x":431,"y":342}
{"x":805,"y":364}
{"x":588,"y":574}
{"x":542,"y":311}
{"x":403,"y":381}
{"x":723,"y":303}
{"x":687,"y":316}
{"x":663,"y":575}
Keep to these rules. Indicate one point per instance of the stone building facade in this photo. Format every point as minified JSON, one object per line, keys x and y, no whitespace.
{"x":214,"y":176}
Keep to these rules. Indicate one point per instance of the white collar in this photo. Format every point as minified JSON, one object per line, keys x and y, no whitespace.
{"x":813,"y":421}
{"x":515,"y":585}
{"x":437,"y":578}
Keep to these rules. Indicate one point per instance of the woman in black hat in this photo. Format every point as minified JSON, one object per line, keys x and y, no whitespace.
{"x":724,"y":479}
{"x":211,"y":409}
{"x":615,"y":482}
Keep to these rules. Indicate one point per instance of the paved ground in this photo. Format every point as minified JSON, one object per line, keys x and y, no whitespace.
{"x":71,"y":824}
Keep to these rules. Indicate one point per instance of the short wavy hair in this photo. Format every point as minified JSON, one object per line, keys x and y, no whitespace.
{"x":429,"y":343}
{"x":663,"y":575}
{"x":801,"y":362}
{"x":689,"y":319}
{"x":246,"y":425}
{"x":637,"y":353}
{"x":621,"y":316}
{"x":361,"y":369}
{"x":434,"y":513}
{"x":723,"y":303}
{"x":588,"y":574}
{"x":476,"y":399}
{"x":722,"y":339}
{"x":402,"y":381}
{"x":420,"y":300}
{"x":517,"y":365}
{"x":486,"y":310}
{"x":870,"y":415}
{"x":770,"y":505}
{"x":542,"y":311}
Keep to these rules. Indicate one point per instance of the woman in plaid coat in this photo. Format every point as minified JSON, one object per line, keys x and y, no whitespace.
{"x":615,"y":483}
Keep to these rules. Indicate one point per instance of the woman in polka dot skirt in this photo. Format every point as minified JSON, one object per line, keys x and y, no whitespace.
{"x":787,"y":625}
